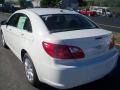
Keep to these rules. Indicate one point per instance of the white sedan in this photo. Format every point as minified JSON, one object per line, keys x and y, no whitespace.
{"x":59,"y":47}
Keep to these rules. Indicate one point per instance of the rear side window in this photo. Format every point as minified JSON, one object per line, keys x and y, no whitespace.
{"x":21,"y":22}
{"x":24,"y":23}
{"x":27,"y":25}
{"x":67,"y":22}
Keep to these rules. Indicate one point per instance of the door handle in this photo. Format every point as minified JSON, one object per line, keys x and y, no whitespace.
{"x":22,"y":34}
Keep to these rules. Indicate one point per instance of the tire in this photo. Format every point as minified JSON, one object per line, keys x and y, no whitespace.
{"x":3,"y":41}
{"x":30,"y":71}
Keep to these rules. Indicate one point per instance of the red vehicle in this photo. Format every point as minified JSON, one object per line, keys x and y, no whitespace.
{"x":88,"y":12}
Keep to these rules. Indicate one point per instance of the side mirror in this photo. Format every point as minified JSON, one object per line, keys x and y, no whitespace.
{"x":3,"y":22}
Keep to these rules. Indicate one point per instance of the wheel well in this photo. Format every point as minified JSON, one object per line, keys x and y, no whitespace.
{"x":23,"y":53}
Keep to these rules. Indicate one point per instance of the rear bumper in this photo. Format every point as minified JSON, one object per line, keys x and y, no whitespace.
{"x":68,"y":76}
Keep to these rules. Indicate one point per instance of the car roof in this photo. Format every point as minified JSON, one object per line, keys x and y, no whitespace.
{"x":45,"y":11}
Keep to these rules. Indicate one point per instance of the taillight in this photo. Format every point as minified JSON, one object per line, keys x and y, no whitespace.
{"x":112,"y":43}
{"x":63,"y":51}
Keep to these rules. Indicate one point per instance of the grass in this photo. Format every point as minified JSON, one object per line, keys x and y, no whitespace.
{"x":117,"y":37}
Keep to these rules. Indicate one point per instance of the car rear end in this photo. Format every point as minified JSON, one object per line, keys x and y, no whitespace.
{"x":78,"y":61}
{"x":79,"y":55}
{"x":94,"y":13}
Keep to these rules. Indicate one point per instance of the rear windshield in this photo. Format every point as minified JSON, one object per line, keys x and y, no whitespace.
{"x":67,"y":22}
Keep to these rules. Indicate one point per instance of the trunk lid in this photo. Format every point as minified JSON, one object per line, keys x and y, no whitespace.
{"x":92,"y":41}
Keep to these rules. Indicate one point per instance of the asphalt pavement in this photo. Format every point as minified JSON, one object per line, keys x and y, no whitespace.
{"x":108,"y":23}
{"x":12,"y":76}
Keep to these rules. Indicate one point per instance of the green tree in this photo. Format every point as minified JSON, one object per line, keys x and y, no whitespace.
{"x":84,"y":3}
{"x":112,"y":3}
{"x":109,"y":3}
{"x":2,"y":1}
{"x":49,"y":3}
{"x":22,"y":3}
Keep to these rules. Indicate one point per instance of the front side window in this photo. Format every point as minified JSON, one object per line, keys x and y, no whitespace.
{"x":67,"y":22}
{"x":13,"y":20}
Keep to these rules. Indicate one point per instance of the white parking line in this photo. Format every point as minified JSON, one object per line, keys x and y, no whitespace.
{"x":109,"y":25}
